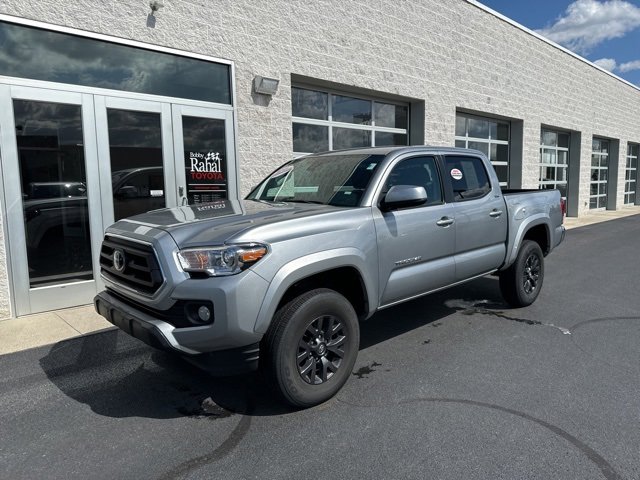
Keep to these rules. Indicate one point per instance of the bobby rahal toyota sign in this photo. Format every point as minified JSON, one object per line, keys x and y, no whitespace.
{"x":206,"y":177}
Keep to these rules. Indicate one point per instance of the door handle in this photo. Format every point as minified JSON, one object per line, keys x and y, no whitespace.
{"x":495,"y":213}
{"x":444,"y":222}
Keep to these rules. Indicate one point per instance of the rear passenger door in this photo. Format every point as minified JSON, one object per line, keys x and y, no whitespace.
{"x":480,"y":213}
{"x":415,"y":244}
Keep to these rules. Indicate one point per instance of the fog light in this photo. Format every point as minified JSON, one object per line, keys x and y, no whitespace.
{"x":204,"y":313}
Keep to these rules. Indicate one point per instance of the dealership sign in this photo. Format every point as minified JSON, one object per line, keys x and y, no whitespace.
{"x":207,"y":177}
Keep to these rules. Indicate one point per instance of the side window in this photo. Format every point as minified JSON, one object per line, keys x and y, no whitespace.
{"x":468,"y":177}
{"x":418,"y":171}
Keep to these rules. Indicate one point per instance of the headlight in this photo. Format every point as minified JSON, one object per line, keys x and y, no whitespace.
{"x":219,"y":261}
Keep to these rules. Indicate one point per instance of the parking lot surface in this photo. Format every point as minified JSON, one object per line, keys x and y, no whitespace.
{"x":452,"y":386}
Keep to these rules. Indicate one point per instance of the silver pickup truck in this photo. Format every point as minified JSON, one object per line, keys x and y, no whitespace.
{"x":280,"y":280}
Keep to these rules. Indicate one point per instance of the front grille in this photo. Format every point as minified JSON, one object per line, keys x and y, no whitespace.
{"x":139,"y":267}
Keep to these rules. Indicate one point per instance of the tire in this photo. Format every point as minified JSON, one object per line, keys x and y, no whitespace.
{"x":310,"y":348}
{"x":521,"y":283}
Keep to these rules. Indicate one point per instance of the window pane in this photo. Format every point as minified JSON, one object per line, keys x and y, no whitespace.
{"x":503,"y":173}
{"x":310,"y":138}
{"x":351,"y":110}
{"x":595,"y":145}
{"x":461,"y":126}
{"x":604,"y":145}
{"x":562,"y":157}
{"x":548,"y":156}
{"x":563,"y":140}
{"x":386,"y":138}
{"x":135,"y":152}
{"x":483,"y":147}
{"x":468,"y":177}
{"x":350,"y":138}
{"x":461,"y":144}
{"x":52,"y":172}
{"x":478,"y":128}
{"x":502,"y":153}
{"x":309,"y":104}
{"x":59,"y":57}
{"x":393,"y":116}
{"x":503,"y":131}
{"x":549,"y":138}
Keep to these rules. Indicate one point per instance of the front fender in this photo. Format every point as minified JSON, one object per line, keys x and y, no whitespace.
{"x":309,"y":265}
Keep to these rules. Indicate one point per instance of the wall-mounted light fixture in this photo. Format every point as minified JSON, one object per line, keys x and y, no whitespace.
{"x":265,"y":85}
{"x":155,"y":5}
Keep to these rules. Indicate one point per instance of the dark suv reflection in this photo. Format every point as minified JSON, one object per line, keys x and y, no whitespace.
{"x":57,"y":221}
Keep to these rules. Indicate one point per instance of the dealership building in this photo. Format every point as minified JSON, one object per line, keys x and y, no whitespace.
{"x":109,"y":108}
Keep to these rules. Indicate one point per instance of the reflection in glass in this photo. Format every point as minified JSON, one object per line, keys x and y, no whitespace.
{"x":205,"y":159}
{"x":393,"y":116}
{"x":549,"y":138}
{"x":478,"y":128}
{"x":350,"y":138}
{"x":483,"y":147}
{"x":388,"y":139}
{"x":135,"y":150}
{"x":40,"y":55}
{"x":351,"y":110}
{"x":461,"y":126}
{"x":563,"y":140}
{"x":310,"y":138}
{"x":53,"y":180}
{"x":309,"y":104}
{"x":503,"y":131}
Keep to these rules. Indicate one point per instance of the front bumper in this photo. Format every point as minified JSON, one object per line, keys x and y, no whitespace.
{"x":161,"y":335}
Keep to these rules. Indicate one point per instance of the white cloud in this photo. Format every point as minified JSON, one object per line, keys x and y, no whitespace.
{"x":587,"y":23}
{"x":628,"y":66}
{"x":606,"y":63}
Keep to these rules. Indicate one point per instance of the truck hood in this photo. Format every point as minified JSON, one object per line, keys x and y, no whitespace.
{"x":217,"y":222}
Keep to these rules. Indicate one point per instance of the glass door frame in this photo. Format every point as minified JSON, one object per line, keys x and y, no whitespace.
{"x":25,"y":298}
{"x":102,"y":103}
{"x":93,"y":103}
{"x":216,"y":113}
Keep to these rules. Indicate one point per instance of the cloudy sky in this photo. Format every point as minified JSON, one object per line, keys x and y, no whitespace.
{"x":607,"y":32}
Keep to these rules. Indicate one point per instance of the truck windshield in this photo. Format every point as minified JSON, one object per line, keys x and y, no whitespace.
{"x":338,"y":180}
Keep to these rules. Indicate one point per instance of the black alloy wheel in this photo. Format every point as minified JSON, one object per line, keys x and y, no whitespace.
{"x":310,"y":348}
{"x":321,"y":349}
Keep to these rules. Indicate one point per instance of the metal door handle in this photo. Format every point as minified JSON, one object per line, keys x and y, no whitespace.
{"x":444,"y":222}
{"x":495,"y":213}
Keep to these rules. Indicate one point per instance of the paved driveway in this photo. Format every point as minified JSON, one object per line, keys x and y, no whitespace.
{"x":452,"y":386}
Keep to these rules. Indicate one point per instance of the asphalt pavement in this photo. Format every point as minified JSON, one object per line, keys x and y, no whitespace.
{"x":452,"y":386}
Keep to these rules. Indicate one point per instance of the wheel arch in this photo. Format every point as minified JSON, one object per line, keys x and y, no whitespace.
{"x":536,"y":228}
{"x":343,"y":272}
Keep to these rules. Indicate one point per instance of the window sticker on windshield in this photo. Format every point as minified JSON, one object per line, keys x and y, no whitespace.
{"x":372,"y":166}
{"x":456,"y":174}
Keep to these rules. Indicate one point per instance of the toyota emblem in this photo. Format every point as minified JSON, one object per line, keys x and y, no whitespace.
{"x":118,"y":260}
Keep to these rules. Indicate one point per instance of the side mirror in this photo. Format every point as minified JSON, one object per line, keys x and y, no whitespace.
{"x":401,"y":196}
{"x":128,"y":191}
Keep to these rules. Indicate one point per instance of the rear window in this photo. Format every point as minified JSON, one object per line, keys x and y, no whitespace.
{"x":468,"y":177}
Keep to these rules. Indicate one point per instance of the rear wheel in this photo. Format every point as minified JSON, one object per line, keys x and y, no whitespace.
{"x":311,"y":347}
{"x":520,"y":284}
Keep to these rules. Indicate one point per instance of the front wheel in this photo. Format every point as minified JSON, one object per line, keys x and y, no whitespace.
{"x":311,"y":347}
{"x":520,"y":284}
